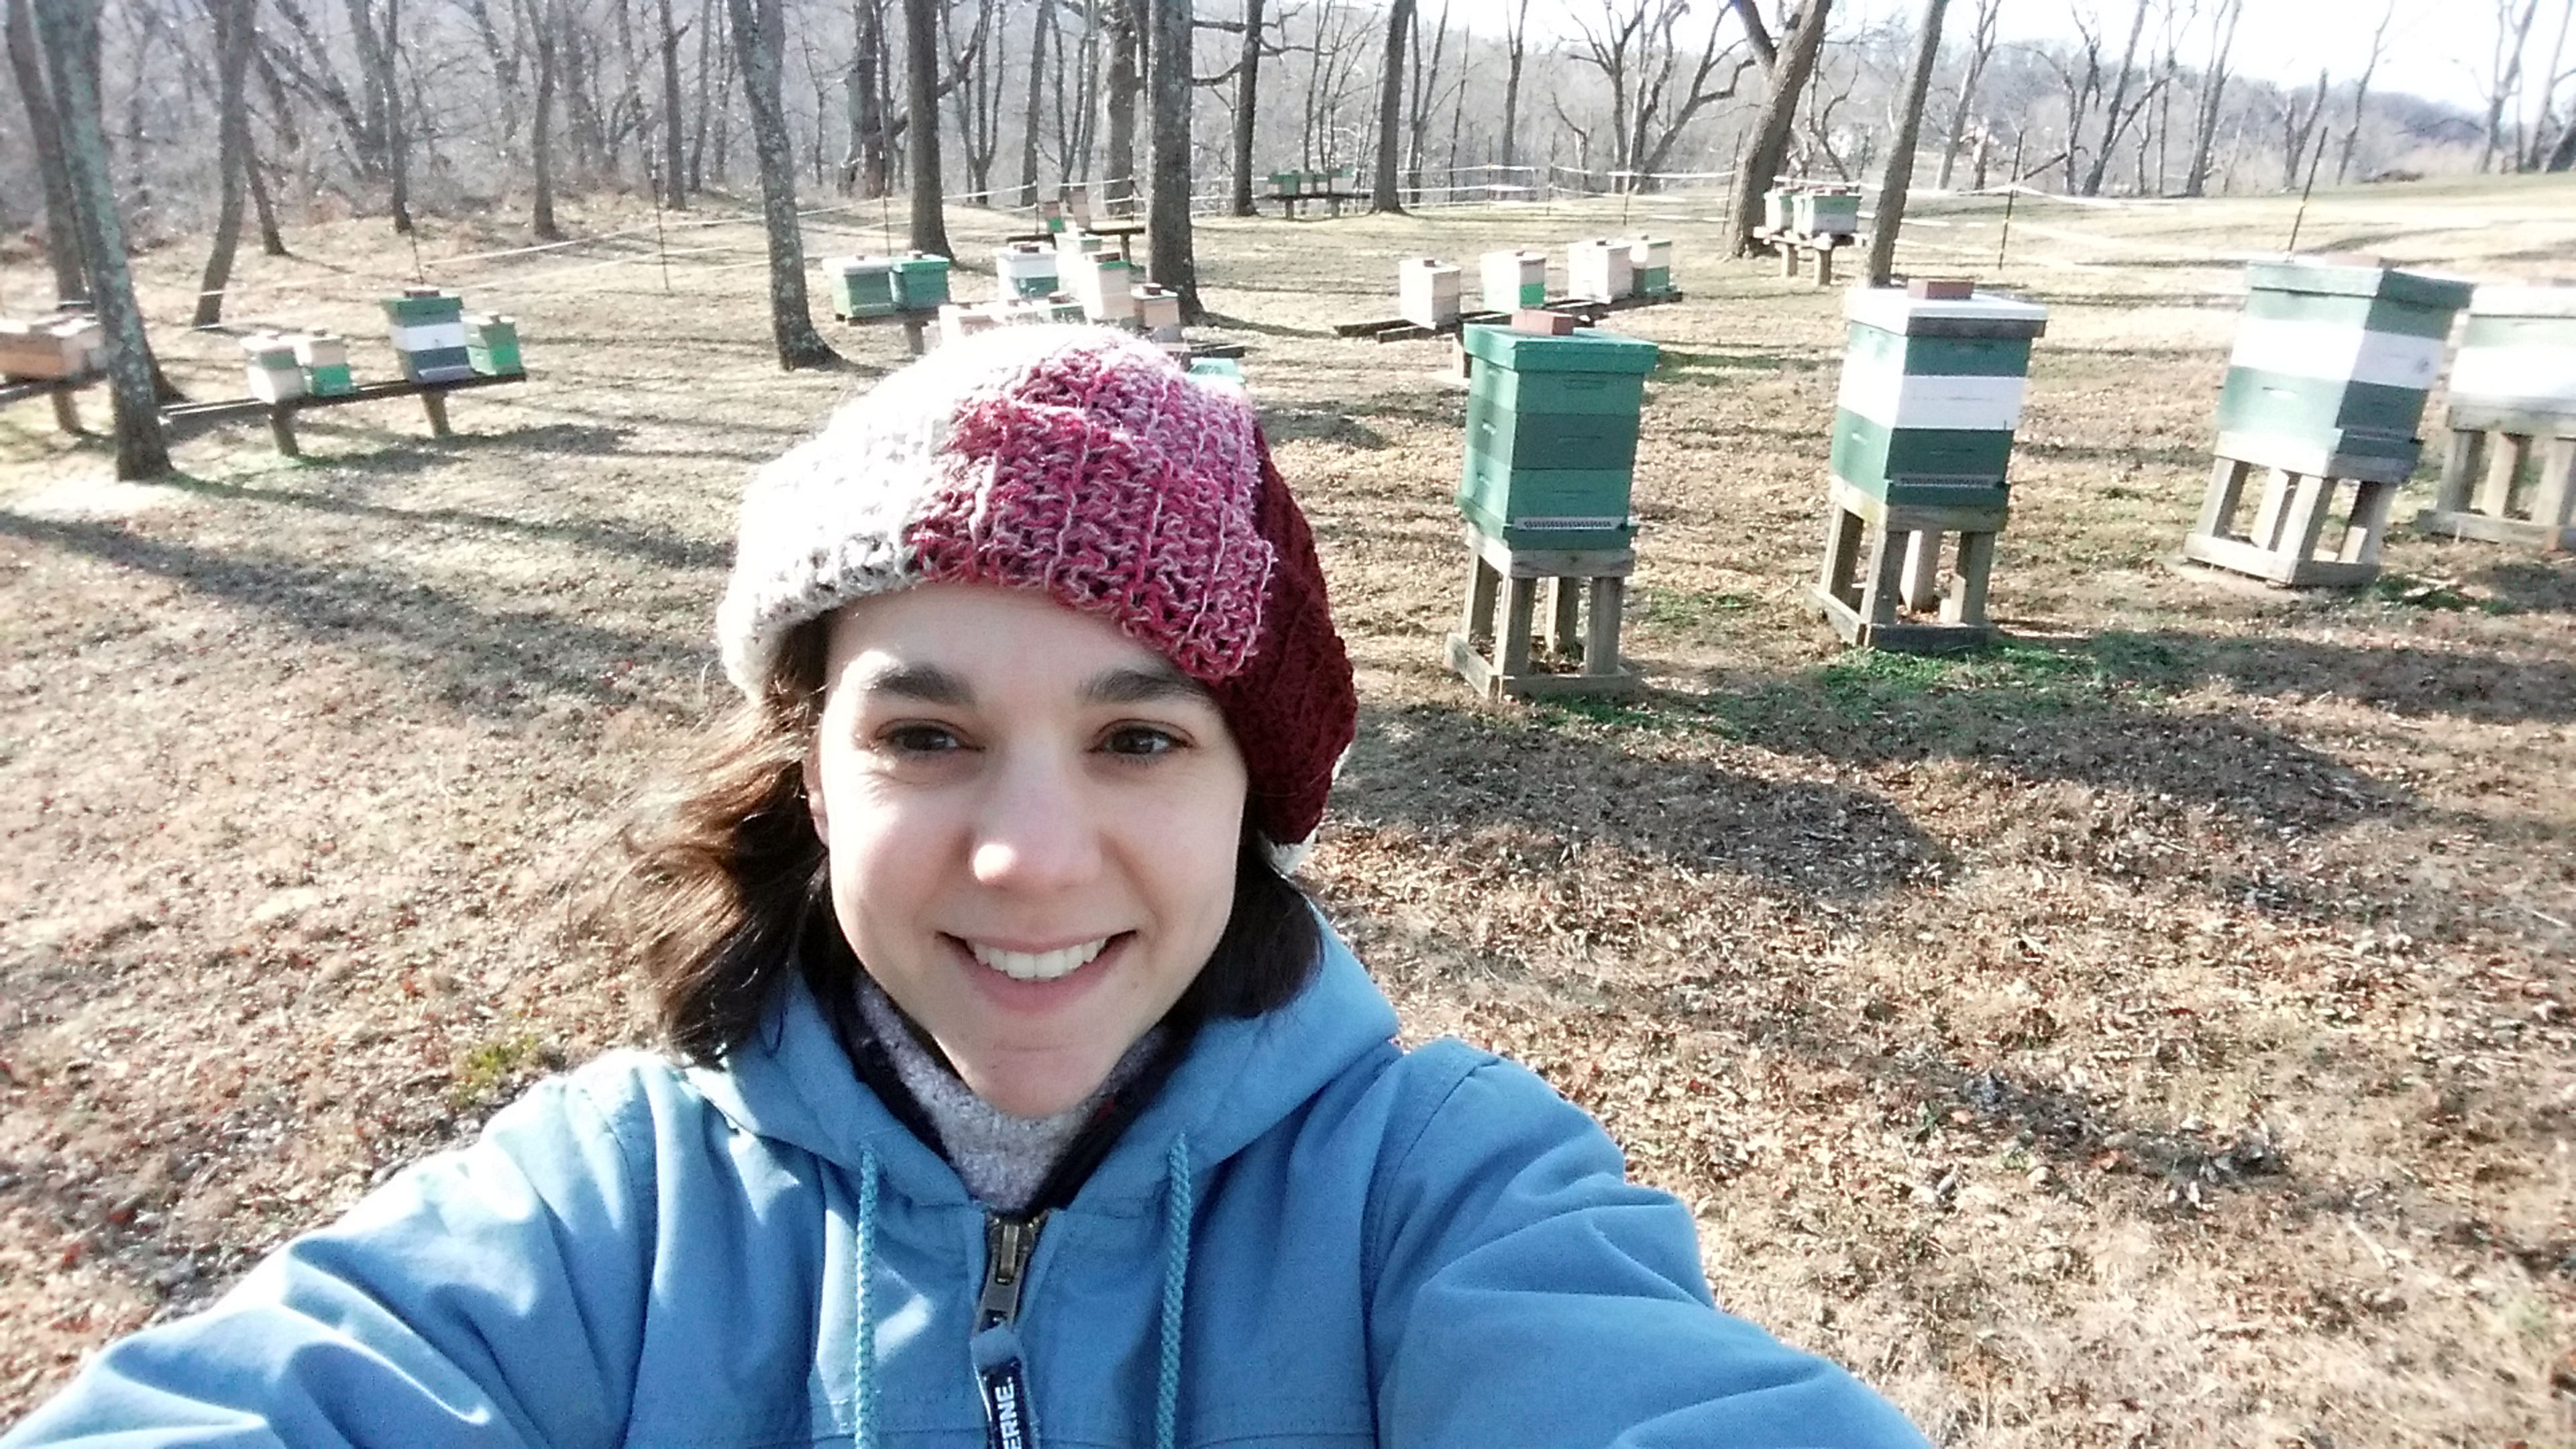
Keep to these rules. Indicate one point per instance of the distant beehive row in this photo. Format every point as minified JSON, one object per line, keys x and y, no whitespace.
{"x":1430,"y":292}
{"x":1080,"y":277}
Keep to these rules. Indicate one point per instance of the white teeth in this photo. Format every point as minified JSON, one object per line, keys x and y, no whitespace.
{"x":1038,"y":966}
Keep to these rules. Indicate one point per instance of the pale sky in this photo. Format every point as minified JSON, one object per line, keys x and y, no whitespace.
{"x":2435,"y":48}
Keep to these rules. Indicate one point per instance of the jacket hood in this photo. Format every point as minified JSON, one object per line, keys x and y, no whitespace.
{"x":792,"y":1083}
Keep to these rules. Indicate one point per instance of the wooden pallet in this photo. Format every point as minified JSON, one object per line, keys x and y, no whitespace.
{"x":63,"y":390}
{"x":186,"y":417}
{"x":1404,"y":329}
{"x":2477,"y":497}
{"x":2280,"y":546}
{"x":1589,"y":589}
{"x":1861,"y":590}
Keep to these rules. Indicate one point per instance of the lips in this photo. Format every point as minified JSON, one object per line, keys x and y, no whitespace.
{"x":1038,"y":965}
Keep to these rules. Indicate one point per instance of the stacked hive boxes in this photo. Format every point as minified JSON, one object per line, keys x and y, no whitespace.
{"x":861,"y":286}
{"x":1552,"y":436}
{"x":920,"y":282}
{"x":1427,"y":292}
{"x":1284,"y":184}
{"x":1077,"y":204}
{"x":270,"y":363}
{"x":64,"y":344}
{"x":1597,"y":270}
{"x":492,"y":344}
{"x":1025,"y":269}
{"x":1158,"y":311}
{"x":1825,"y":211}
{"x":1051,"y":217}
{"x":2517,"y":363}
{"x":1776,"y":208}
{"x":429,"y":334}
{"x":1650,"y":264}
{"x":324,"y":356}
{"x":1104,"y":285}
{"x":2331,"y":366}
{"x":1514,"y":280}
{"x":1931,"y":393}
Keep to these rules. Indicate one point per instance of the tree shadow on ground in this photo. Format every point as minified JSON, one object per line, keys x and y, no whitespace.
{"x":2528,"y":586}
{"x":648,"y":544}
{"x":499,"y":664}
{"x":2402,"y":679}
{"x":1722,"y":369}
{"x":1449,"y":772}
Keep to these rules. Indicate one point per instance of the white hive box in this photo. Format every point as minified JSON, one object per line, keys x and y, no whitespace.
{"x":271,"y":369}
{"x":2518,"y":354}
{"x":1158,"y":311}
{"x":1426,"y":291}
{"x":1105,"y":286}
{"x":1597,"y":270}
{"x":1514,"y":280}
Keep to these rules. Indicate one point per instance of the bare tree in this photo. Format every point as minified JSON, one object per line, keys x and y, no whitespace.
{"x":1038,"y":36}
{"x":1516,"y":41}
{"x":1898,"y":179}
{"x":1981,"y":47}
{"x":760,"y":40}
{"x":977,"y":92}
{"x":921,"y":100}
{"x":543,"y":17}
{"x":2298,"y":127}
{"x":1383,"y":195}
{"x":1247,"y":96}
{"x":2213,"y":87}
{"x":1425,"y":88}
{"x":1786,"y":65}
{"x":62,"y":229}
{"x":1637,"y":48}
{"x":68,"y":30}
{"x":2544,"y":128}
{"x":2503,"y":84}
{"x":1124,"y":84}
{"x":1167,"y":217}
{"x":675,"y":190}
{"x":233,"y":39}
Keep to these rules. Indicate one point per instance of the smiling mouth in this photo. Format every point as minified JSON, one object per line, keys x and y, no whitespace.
{"x":1039,"y":965}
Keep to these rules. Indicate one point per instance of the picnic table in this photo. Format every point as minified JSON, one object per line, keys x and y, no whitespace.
{"x":1122,"y":232}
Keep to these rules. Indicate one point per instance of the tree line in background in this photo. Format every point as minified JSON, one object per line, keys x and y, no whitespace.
{"x":203,"y":116}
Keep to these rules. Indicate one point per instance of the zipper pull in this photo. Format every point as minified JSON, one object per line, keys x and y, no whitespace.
{"x":1008,"y":1245}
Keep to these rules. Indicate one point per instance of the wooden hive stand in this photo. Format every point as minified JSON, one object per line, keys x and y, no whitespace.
{"x":2508,"y":478}
{"x":1883,"y":564}
{"x":1498,"y":657}
{"x":2291,"y":521}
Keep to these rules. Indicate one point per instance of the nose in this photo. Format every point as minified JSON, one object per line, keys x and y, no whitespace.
{"x":1037,"y":829}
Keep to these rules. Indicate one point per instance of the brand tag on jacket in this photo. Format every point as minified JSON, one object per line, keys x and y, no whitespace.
{"x":1004,"y":1380}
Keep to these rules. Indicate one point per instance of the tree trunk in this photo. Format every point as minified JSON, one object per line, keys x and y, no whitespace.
{"x":233,"y":40}
{"x":759,"y":37}
{"x":1247,"y":92}
{"x":2112,"y":120}
{"x":675,"y":191}
{"x":1898,"y":178}
{"x":1383,"y":195}
{"x":1981,"y":45}
{"x":1037,"y":90}
{"x":1167,"y":213}
{"x":62,"y":228}
{"x":1120,"y":90}
{"x":921,"y":99}
{"x":272,"y":242}
{"x":2213,"y":87}
{"x":69,"y":29}
{"x":1517,"y":46}
{"x":1796,"y":62}
{"x":542,"y":15}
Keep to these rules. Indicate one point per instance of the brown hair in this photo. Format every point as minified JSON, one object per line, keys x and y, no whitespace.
{"x":723,"y":877}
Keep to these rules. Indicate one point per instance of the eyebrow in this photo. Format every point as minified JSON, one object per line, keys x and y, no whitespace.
{"x":1136,"y":684}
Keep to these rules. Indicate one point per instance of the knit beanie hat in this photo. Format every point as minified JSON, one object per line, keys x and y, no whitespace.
{"x":1080,"y":461}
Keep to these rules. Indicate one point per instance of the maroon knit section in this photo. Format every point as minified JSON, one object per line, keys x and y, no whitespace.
{"x":1293,"y":708}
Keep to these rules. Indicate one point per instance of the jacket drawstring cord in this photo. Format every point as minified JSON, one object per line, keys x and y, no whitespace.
{"x":1176,"y":1275}
{"x":864,"y":1406}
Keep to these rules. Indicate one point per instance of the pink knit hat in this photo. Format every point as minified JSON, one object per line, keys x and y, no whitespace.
{"x":1080,"y":461}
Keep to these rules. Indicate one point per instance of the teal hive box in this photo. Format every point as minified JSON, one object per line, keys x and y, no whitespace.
{"x":920,"y":282}
{"x":863,"y":287}
{"x":1286,"y":183}
{"x":1552,"y":436}
{"x":1826,"y":213}
{"x":420,"y":306}
{"x":492,"y":345}
{"x":1931,"y":393}
{"x":329,"y":379}
{"x":2331,"y":366}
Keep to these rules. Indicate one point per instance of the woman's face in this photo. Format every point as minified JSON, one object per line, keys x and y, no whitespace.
{"x":1032,"y":823}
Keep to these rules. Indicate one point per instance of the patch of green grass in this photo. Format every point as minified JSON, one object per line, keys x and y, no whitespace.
{"x":1685,"y":608}
{"x":492,"y":1069}
{"x":2436,"y":594}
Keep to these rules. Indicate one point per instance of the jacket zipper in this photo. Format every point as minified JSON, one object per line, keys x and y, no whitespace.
{"x":1008,"y":1245}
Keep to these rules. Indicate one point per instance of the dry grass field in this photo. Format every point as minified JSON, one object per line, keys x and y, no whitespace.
{"x":2153,"y":1031}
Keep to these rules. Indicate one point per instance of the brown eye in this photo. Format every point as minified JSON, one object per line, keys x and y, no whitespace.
{"x":1140,"y":741}
{"x":922,"y":739}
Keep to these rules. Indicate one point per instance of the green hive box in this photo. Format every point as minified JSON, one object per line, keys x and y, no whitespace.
{"x":492,"y":345}
{"x":1552,"y":436}
{"x":1931,"y":393}
{"x":920,"y":283}
{"x":2331,"y":366}
{"x":863,"y":287}
{"x":1826,"y":213}
{"x":1286,"y":183}
{"x":2517,"y":361}
{"x":422,"y":306}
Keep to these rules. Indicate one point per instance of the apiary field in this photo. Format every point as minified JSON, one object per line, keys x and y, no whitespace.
{"x":2153,"y":1031}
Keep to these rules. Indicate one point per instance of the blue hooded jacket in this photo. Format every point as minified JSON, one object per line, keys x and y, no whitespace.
{"x":1307,"y":1239}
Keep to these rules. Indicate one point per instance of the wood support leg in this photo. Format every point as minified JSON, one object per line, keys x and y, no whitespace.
{"x":2305,"y":519}
{"x":914,"y":342}
{"x":2459,"y":465}
{"x":2266,"y":532}
{"x":1880,"y":585}
{"x":2218,"y":508}
{"x":1824,"y":267}
{"x":435,"y":404}
{"x":2504,"y":459}
{"x":2368,"y":527}
{"x":1478,"y":621}
{"x":1566,"y":598}
{"x":1922,"y":587}
{"x":1520,"y":601}
{"x":1842,"y":557}
{"x":1601,"y":641}
{"x":1966,"y":603}
{"x":281,"y":430}
{"x":1788,"y":259}
{"x":67,"y":410}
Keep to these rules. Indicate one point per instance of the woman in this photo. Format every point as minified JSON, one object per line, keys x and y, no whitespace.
{"x":1013,"y":1095}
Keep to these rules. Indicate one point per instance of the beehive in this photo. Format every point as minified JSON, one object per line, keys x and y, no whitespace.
{"x":324,"y":356}
{"x":1077,"y":205}
{"x":2331,"y":365}
{"x":920,"y":282}
{"x":1931,"y":393}
{"x":1776,"y":208}
{"x":862,"y":286}
{"x":1515,"y":279}
{"x":2518,"y":354}
{"x":1285,"y":184}
{"x":1597,"y":270}
{"x":429,"y":334}
{"x":492,"y":344}
{"x":59,"y":346}
{"x":1825,"y":211}
{"x":1552,"y":436}
{"x":1426,"y":290}
{"x":1024,"y":269}
{"x":1105,"y":286}
{"x":1051,"y":216}
{"x":270,"y":367}
{"x":958,"y":321}
{"x":1158,"y":311}
{"x":1650,"y":266}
